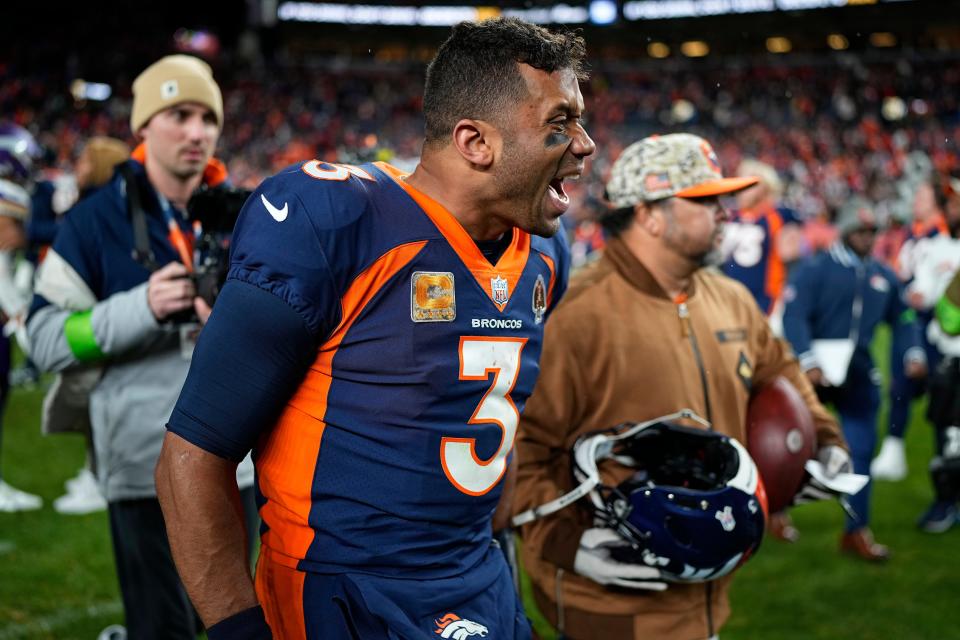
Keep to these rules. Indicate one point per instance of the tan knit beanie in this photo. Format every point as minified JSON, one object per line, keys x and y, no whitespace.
{"x":172,"y":80}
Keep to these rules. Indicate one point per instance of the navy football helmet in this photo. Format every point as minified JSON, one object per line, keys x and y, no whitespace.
{"x":18,"y":151}
{"x":694,"y":508}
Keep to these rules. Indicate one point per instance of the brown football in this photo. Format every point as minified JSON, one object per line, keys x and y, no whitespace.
{"x":781,"y":438}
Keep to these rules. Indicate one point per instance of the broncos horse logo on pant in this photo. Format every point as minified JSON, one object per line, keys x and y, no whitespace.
{"x":453,"y":626}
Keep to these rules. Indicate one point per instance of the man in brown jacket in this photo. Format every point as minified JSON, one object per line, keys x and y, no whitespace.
{"x":642,"y":333}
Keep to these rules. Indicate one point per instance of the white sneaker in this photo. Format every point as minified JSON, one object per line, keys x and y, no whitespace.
{"x":84,"y":476}
{"x":891,"y":462}
{"x":113,"y":632}
{"x":15,"y":500}
{"x":83,"y":496}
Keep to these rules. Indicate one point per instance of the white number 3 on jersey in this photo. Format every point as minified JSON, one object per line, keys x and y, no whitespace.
{"x":479,"y":357}
{"x":747,"y":241}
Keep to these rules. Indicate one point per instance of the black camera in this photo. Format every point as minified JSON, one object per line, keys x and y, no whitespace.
{"x":217,"y":209}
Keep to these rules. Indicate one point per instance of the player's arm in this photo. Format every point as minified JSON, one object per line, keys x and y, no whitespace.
{"x":201,"y":507}
{"x":250,"y":358}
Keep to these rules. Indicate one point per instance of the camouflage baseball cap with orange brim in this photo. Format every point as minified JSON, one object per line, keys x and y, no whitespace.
{"x":677,"y":164}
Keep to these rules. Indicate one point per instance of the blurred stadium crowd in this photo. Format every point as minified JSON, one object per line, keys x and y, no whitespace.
{"x":831,"y":127}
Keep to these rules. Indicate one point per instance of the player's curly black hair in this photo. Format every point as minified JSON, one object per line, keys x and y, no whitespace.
{"x":475,"y":75}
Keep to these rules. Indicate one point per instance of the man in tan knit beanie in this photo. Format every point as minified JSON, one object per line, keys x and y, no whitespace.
{"x":178,"y":112}
{"x":114,"y":298}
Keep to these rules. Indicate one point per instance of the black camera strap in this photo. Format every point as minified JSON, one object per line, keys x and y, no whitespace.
{"x":142,"y":252}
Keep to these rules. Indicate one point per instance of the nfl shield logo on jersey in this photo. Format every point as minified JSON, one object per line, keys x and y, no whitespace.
{"x":498,"y":286}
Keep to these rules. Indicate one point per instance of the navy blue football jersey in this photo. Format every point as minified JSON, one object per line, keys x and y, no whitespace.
{"x":388,"y":457}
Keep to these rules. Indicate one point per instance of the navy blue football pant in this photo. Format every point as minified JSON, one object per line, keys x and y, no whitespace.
{"x":482,"y":602}
{"x":860,"y":430}
{"x":155,"y":604}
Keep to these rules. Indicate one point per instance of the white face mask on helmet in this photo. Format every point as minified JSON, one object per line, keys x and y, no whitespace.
{"x":695,"y":507}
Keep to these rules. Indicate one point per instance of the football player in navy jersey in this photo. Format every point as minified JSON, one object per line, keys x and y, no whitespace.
{"x":374,"y":344}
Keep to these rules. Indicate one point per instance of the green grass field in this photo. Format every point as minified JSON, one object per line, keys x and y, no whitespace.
{"x":57,"y":578}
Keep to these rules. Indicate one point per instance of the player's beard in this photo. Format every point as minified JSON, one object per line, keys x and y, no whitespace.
{"x":518,"y":185}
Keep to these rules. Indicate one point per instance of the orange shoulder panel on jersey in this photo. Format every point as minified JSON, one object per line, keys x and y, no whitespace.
{"x":511,"y":263}
{"x":289,"y":455}
{"x":776,"y":275}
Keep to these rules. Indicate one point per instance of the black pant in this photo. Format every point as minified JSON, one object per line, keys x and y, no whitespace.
{"x":155,"y":603}
{"x":944,"y":412}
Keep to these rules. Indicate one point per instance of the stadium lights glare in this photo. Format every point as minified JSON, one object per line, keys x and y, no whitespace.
{"x":837,"y":42}
{"x":893,"y":108}
{"x":695,"y":48}
{"x":429,"y":16}
{"x":662,"y":9}
{"x":658,"y":50}
{"x":682,"y":111}
{"x":603,"y":12}
{"x":779,"y":44}
{"x":83,"y":90}
{"x":883,"y":39}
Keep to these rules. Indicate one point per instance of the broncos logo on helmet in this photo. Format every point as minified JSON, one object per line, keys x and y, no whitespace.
{"x":453,"y":626}
{"x":695,"y":507}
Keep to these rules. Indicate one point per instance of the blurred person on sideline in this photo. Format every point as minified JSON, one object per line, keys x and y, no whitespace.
{"x":94,"y":168}
{"x":759,"y":243}
{"x":388,"y":327}
{"x":928,"y":223}
{"x":841,"y":296}
{"x":934,"y":268}
{"x":644,"y":332}
{"x":110,"y":311}
{"x":52,"y":191}
{"x":948,"y":308}
{"x":18,"y":153}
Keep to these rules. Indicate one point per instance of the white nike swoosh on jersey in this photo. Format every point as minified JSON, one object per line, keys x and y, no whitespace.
{"x":277,"y":214}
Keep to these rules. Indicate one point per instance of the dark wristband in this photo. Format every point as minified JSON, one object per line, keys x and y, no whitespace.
{"x":249,"y":624}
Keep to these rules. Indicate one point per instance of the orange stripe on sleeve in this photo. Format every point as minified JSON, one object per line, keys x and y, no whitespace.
{"x":553,"y":277}
{"x":287,"y":461}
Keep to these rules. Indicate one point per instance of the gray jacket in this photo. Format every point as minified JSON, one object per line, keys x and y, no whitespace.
{"x":141,"y":362}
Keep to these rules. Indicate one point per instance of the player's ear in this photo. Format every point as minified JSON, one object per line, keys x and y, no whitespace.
{"x":475,"y":140}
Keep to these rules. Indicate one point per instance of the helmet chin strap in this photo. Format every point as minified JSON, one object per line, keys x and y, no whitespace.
{"x":586,"y":455}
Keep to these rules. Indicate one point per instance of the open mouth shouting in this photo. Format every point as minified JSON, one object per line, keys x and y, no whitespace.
{"x":556,"y":196}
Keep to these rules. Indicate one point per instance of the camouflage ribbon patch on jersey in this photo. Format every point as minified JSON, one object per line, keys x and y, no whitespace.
{"x":432,"y":297}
